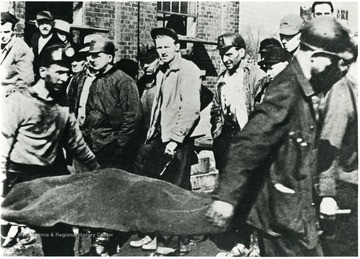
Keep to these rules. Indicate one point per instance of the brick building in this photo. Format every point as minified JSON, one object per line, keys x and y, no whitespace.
{"x":129,"y":23}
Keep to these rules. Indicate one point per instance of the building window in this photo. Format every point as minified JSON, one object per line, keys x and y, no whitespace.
{"x":180,"y":16}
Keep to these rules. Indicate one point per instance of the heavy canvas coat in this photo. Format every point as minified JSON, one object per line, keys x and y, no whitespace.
{"x":277,"y":151}
{"x":113,"y":110}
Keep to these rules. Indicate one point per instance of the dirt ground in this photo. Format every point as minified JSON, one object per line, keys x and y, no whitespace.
{"x":203,"y":248}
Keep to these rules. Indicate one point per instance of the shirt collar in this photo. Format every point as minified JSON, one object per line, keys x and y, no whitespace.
{"x":9,"y":45}
{"x":89,"y":74}
{"x":304,"y":83}
{"x":175,"y":64}
{"x":39,"y":90}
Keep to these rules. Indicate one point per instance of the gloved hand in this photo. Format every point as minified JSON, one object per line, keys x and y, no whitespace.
{"x":170,"y":148}
{"x":328,"y":207}
{"x":220,"y":213}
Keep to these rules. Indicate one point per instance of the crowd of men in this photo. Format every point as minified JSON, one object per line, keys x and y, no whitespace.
{"x":284,"y":132}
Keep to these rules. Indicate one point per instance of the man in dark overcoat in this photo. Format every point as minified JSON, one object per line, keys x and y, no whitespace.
{"x":276,"y":151}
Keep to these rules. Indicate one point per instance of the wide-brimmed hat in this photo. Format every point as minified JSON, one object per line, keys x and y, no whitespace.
{"x":44,"y":15}
{"x":275,"y":55}
{"x":62,"y":26}
{"x":268,"y":43}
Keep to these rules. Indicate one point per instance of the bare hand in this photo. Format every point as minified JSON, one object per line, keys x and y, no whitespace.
{"x":328,"y":207}
{"x":170,"y":148}
{"x":220,"y":213}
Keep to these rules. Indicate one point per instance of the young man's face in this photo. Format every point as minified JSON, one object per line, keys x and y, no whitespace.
{"x":99,"y":61}
{"x":322,"y":9}
{"x":45,"y":27}
{"x":166,"y":48}
{"x":290,"y":42}
{"x":56,"y":78}
{"x":150,"y":67}
{"x":232,"y":57}
{"x":6,"y":33}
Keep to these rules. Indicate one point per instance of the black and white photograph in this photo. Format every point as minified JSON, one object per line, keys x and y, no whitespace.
{"x":179,"y":128}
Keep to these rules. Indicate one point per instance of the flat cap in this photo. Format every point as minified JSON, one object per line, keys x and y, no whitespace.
{"x":58,"y":54}
{"x":44,"y":15}
{"x":325,"y":34}
{"x":8,"y":17}
{"x":147,"y":53}
{"x":164,"y":31}
{"x":228,"y":40}
{"x":275,"y":55}
{"x":291,"y":24}
{"x":103,"y":45}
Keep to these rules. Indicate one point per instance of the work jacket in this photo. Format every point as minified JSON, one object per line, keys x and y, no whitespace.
{"x":276,"y":154}
{"x":16,"y":65}
{"x":113,"y":110}
{"x":253,"y":82}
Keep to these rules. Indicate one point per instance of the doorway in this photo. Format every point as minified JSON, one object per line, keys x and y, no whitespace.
{"x":60,"y":10}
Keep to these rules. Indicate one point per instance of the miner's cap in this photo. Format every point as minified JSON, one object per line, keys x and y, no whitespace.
{"x":102,"y":45}
{"x":228,"y":40}
{"x":58,"y":54}
{"x":291,"y":24}
{"x":164,"y":31}
{"x":85,"y":47}
{"x":325,"y":34}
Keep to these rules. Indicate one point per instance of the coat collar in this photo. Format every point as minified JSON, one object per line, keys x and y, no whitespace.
{"x":304,"y":83}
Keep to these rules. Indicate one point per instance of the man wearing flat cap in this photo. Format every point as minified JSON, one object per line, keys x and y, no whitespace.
{"x":233,"y":102}
{"x":45,"y":38}
{"x":16,"y":59}
{"x":33,"y":133}
{"x":290,"y":26}
{"x":276,"y":151}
